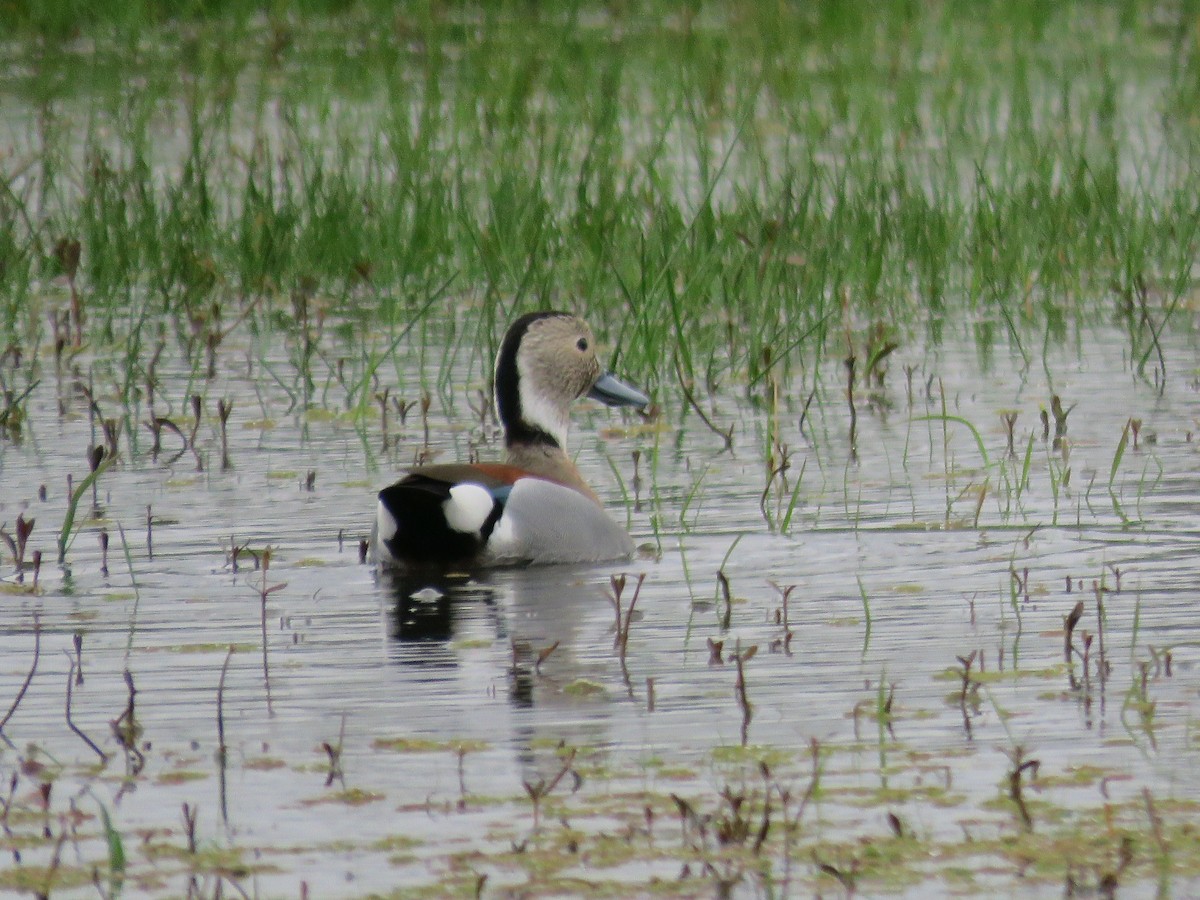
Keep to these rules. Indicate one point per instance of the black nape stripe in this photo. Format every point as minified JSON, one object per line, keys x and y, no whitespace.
{"x":508,"y":387}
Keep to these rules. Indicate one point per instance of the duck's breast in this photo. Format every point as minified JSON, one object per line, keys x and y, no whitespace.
{"x":545,"y":522}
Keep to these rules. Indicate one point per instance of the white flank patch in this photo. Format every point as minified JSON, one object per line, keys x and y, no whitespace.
{"x":385,"y":523}
{"x":503,"y":541}
{"x":468,"y":507}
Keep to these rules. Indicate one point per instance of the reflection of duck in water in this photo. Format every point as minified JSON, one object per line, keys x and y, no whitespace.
{"x":525,"y":608}
{"x":535,"y":507}
{"x":516,"y":618}
{"x":425,"y":603}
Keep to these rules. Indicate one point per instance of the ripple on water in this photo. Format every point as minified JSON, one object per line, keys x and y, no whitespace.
{"x":434,"y":717}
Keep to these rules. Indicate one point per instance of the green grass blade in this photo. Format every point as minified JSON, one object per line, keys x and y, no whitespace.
{"x":947,"y":417}
{"x":116,"y":852}
{"x":65,"y":535}
{"x":1120,"y":453}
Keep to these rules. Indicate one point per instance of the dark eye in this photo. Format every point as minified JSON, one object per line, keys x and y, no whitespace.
{"x":582,"y":344}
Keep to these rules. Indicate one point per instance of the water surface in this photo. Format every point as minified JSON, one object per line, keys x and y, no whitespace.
{"x":445,"y":720}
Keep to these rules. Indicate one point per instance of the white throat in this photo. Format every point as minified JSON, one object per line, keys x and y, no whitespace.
{"x":540,"y":411}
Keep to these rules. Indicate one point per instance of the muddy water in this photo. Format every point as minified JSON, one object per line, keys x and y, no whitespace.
{"x":438,"y":718}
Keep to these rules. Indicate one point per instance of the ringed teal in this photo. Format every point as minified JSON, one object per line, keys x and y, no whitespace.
{"x":535,"y":506}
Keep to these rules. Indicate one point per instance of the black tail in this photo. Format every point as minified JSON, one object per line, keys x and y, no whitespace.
{"x":423,"y":537}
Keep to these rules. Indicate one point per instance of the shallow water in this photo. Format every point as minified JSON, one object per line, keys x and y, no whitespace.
{"x":403,"y":687}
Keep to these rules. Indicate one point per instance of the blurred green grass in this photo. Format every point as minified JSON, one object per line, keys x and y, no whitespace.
{"x":726,"y":186}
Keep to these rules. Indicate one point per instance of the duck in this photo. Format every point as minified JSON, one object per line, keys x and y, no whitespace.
{"x":534,"y":507}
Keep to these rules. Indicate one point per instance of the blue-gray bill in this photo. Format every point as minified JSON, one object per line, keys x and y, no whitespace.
{"x":614,"y":392}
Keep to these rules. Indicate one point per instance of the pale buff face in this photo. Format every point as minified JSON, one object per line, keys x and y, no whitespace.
{"x":557,"y":365}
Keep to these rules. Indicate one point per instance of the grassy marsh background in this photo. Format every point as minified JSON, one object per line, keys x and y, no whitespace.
{"x":303,"y":206}
{"x":716,"y":188}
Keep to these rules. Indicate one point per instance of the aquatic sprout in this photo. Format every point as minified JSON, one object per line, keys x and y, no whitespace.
{"x":1070,"y":621}
{"x":850,"y":362}
{"x":103,"y":535}
{"x":235,"y":553}
{"x":544,"y":654}
{"x":426,"y":403}
{"x":782,"y":618}
{"x":1086,"y":640}
{"x":624,"y":620}
{"x":334,"y":754}
{"x":222,"y":749}
{"x":884,"y":700}
{"x":1103,"y":668}
{"x":127,"y":729}
{"x":12,"y":410}
{"x":99,"y":463}
{"x":481,"y":406}
{"x":1116,"y":570}
{"x":1118,"y":455}
{"x":149,"y":532}
{"x":785,"y":523}
{"x":37,"y":649}
{"x":879,"y":346}
{"x":1015,"y":776}
{"x":715,"y":651}
{"x":685,"y":388}
{"x":1060,"y":419}
{"x":156,"y":424}
{"x":1019,"y":582}
{"x":75,"y":728}
{"x":740,"y":658}
{"x":970,"y":686}
{"x":116,"y":856}
{"x":16,"y":546}
{"x":540,"y":789}
{"x":971,"y":605}
{"x":403,"y":408}
{"x":112,"y":434}
{"x":151,"y":376}
{"x":866,"y":603}
{"x":197,"y":415}
{"x":224,"y":408}
{"x":265,"y":590}
{"x":909,"y":372}
{"x":66,"y":254}
{"x":778,"y":471}
{"x":636,"y":481}
{"x":1009,"y":418}
{"x":190,"y":814}
{"x":382,"y":399}
{"x":1139,"y":694}
{"x":727,"y":597}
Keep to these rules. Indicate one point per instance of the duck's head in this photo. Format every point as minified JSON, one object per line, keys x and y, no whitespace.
{"x":547,"y":361}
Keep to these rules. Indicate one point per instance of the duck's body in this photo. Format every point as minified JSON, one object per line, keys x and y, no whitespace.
{"x":534,"y":507}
